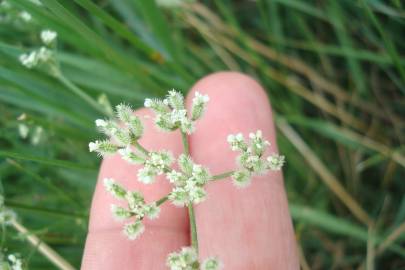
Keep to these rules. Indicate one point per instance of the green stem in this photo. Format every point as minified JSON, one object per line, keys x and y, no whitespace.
{"x":141,"y":148}
{"x":162,"y":200}
{"x":185,"y":143}
{"x":193,"y":227}
{"x":221,"y":176}
{"x":191,"y":214}
{"x":79,"y":92}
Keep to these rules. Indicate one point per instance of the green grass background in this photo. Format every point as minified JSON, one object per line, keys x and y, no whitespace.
{"x":334,"y":72}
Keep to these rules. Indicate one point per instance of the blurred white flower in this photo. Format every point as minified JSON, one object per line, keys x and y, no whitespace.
{"x":7,"y":216}
{"x":29,"y":60}
{"x":37,"y":135}
{"x":15,"y":262}
{"x":5,"y":4}
{"x":34,"y":58}
{"x":25,"y":16}
{"x":48,"y":36}
{"x":23,"y":130}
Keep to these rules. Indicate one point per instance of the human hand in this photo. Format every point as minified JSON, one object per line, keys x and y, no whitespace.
{"x":246,"y":229}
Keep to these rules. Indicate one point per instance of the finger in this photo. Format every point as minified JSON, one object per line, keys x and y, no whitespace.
{"x":106,"y":245}
{"x":246,"y":228}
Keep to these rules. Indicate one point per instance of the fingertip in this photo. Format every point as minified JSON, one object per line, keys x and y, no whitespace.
{"x":238,"y":103}
{"x":232,"y":87}
{"x":228,"y":81}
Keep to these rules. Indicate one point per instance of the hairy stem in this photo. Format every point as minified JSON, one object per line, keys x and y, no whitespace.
{"x":185,"y":143}
{"x":191,"y":214}
{"x":221,"y":176}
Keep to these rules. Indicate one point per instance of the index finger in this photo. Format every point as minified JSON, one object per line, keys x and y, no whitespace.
{"x":246,"y":228}
{"x":106,"y":246}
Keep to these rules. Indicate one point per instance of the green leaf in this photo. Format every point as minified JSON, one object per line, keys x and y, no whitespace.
{"x":46,"y":161}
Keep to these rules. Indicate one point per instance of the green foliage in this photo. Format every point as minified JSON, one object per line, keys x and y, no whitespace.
{"x":334,"y":71}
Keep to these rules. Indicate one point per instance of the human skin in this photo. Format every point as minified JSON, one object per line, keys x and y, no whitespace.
{"x":247,"y":228}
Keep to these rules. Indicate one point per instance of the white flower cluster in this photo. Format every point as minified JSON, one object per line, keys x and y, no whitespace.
{"x":13,"y":262}
{"x":187,"y":259}
{"x":34,"y":58}
{"x":36,"y":132}
{"x":43,"y":55}
{"x":6,"y":215}
{"x":157,"y":163}
{"x":251,"y":159}
{"x":25,"y":16}
{"x":120,"y":136}
{"x":12,"y":14}
{"x":5,"y":4}
{"x":136,"y":208}
{"x":171,"y":113}
{"x":188,"y":180}
{"x":188,"y":183}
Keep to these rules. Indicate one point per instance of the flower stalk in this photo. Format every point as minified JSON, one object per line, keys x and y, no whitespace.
{"x":222,"y":176}
{"x":191,"y":213}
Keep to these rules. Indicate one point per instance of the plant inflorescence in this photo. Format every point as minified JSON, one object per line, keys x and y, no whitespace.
{"x":188,"y":181}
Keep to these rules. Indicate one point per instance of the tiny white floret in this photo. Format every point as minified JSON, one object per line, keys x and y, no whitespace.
{"x":148,"y":103}
{"x":101,"y":123}
{"x":93,"y":146}
{"x":25,"y":16}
